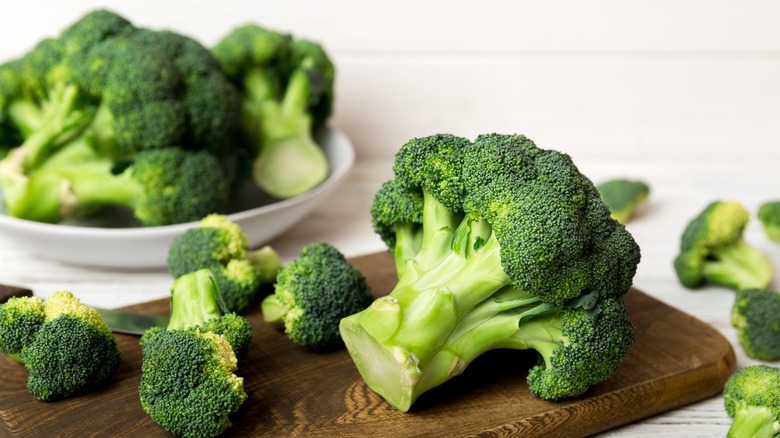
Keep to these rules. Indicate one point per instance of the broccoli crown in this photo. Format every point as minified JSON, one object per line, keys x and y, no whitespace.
{"x":313,"y":293}
{"x":63,"y":343}
{"x":188,"y":385}
{"x":769,"y":215}
{"x":754,"y":315}
{"x":752,"y":399}
{"x":221,"y":246}
{"x":623,"y":197}
{"x":497,"y":244}
{"x":712,"y":249}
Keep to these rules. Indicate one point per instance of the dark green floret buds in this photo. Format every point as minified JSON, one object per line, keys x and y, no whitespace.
{"x":713,"y":250}
{"x":497,"y":244}
{"x":756,"y":316}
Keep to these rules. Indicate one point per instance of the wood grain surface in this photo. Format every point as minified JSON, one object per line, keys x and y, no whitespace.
{"x":676,"y":360}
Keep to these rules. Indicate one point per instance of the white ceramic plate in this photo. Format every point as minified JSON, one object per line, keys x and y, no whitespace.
{"x":139,"y":247}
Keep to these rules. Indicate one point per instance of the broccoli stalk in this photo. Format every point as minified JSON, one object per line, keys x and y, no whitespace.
{"x":513,"y":249}
{"x":752,"y":399}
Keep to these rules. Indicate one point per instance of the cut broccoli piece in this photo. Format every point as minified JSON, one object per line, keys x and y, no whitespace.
{"x":755,"y":316}
{"x":313,"y":293}
{"x":752,"y":399}
{"x":504,"y":245}
{"x":221,"y":246}
{"x":769,"y":215}
{"x":712,"y":249}
{"x":287,"y":89}
{"x":188,"y":381}
{"x":623,"y":197}
{"x":64,"y":344}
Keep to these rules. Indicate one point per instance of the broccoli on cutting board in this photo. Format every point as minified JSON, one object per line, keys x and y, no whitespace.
{"x":498,"y":244}
{"x":63,"y":343}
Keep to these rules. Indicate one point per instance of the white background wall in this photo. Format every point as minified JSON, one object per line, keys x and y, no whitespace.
{"x":634,"y":80}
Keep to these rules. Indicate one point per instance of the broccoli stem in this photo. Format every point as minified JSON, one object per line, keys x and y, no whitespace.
{"x":266,"y":262}
{"x":408,"y":239}
{"x":25,"y":115}
{"x":272,"y":310}
{"x":194,"y":300}
{"x":753,"y":422}
{"x":93,"y":185}
{"x":739,"y":265}
{"x":289,"y":161}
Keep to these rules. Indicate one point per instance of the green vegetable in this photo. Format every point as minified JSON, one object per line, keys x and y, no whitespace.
{"x":221,"y":246}
{"x":188,"y":381}
{"x":769,"y":215}
{"x":712,"y":249}
{"x":313,"y":293}
{"x":64,"y":344}
{"x":752,"y":399}
{"x":623,"y":197}
{"x":101,"y":93}
{"x":286,"y":86}
{"x":511,"y":247}
{"x":755,"y":316}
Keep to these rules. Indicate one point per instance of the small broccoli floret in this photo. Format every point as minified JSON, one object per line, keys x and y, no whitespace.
{"x":188,"y":381}
{"x":769,"y":215}
{"x":712,"y":249}
{"x":63,"y":343}
{"x":498,"y":244}
{"x":623,"y":197}
{"x":752,"y":399}
{"x":287,"y":88}
{"x":313,"y":293}
{"x":755,"y":316}
{"x":221,"y":246}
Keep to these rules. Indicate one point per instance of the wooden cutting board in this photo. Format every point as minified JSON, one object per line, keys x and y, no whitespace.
{"x":676,"y":360}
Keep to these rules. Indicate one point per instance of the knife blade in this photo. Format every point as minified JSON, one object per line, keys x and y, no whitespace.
{"x":119,"y":321}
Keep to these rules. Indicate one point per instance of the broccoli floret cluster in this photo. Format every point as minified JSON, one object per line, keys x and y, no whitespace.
{"x":286,"y":89}
{"x":221,"y":246}
{"x":713,"y":250}
{"x":188,"y":381}
{"x":752,"y":399}
{"x":64,"y":344}
{"x":110,"y":114}
{"x":624,"y":197}
{"x":313,"y":293}
{"x":498,"y":244}
{"x":755,"y":316}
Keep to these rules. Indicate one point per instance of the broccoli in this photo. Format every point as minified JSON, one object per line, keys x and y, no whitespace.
{"x":514,"y":249}
{"x":287,"y":90}
{"x":221,"y":246}
{"x":754,"y":315}
{"x":160,"y":186}
{"x":118,"y":89}
{"x":712,"y":249}
{"x":64,"y":344}
{"x":313,"y":293}
{"x":188,"y":381}
{"x":769,"y":215}
{"x":752,"y":399}
{"x":623,"y":197}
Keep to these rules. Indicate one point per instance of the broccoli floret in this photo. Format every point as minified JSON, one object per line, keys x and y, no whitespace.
{"x":287,"y":88}
{"x":511,"y":247}
{"x":160,"y":187}
{"x":63,"y":343}
{"x":313,"y":293}
{"x":221,"y":246}
{"x":769,"y":215}
{"x":754,"y":315}
{"x":188,"y":381}
{"x":623,"y":197}
{"x":752,"y":399}
{"x":712,"y":249}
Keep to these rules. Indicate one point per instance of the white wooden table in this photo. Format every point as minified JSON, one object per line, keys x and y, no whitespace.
{"x":678,"y":193}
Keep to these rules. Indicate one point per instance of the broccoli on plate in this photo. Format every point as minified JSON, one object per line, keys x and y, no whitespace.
{"x":503,"y":245}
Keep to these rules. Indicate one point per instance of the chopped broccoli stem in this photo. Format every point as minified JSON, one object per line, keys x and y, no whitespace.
{"x":753,"y":422}
{"x":739,"y":266}
{"x":194,"y":300}
{"x":272,"y":309}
